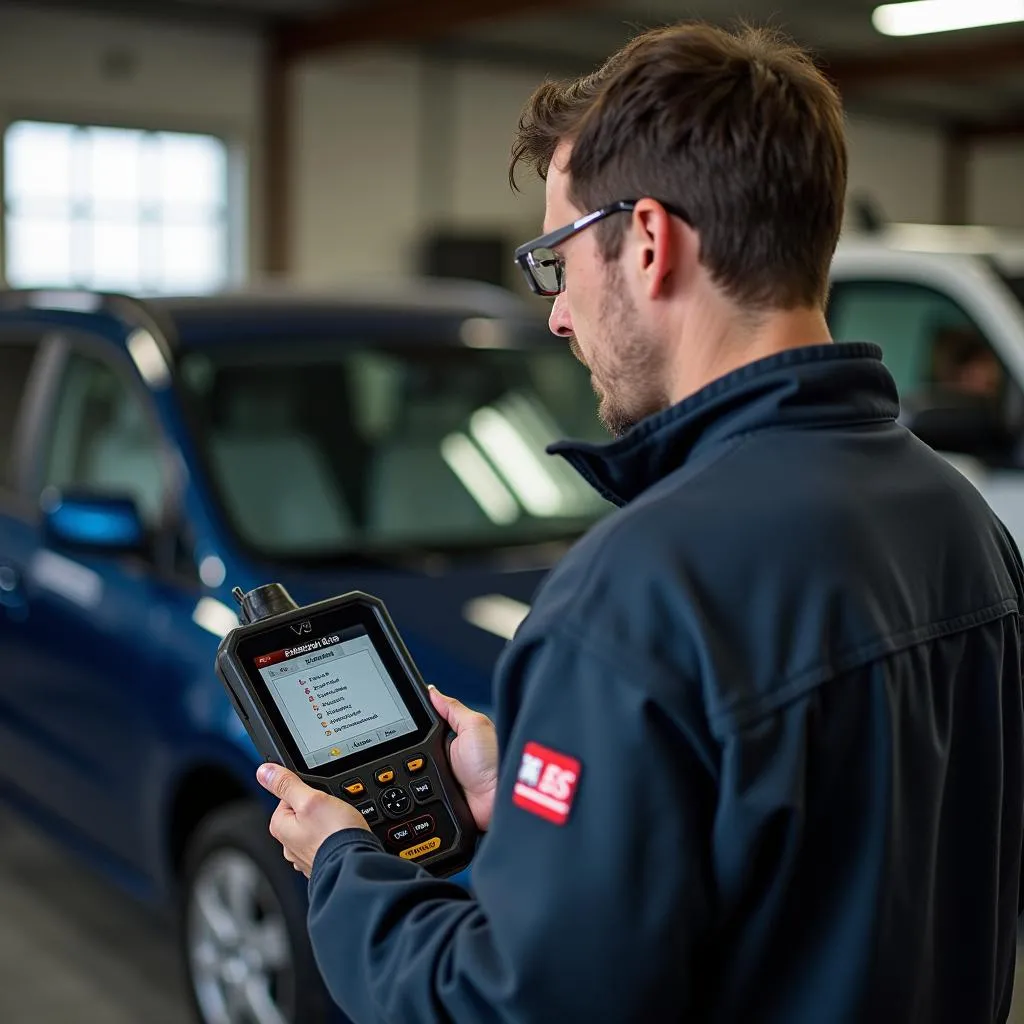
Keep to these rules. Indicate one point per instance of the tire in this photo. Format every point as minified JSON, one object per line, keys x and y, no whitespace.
{"x":242,"y":927}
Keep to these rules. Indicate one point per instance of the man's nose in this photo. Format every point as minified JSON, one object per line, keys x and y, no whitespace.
{"x":560,"y":322}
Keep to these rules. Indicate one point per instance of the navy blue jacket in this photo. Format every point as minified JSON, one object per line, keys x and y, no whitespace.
{"x":789,"y":671}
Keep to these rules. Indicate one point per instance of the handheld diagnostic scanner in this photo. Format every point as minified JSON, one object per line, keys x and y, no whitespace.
{"x":329,"y":691}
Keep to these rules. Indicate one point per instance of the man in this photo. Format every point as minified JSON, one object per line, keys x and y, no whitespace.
{"x":784,"y":678}
{"x":963,"y":362}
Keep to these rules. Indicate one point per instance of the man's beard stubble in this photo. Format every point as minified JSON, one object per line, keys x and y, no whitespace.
{"x":627,"y":370}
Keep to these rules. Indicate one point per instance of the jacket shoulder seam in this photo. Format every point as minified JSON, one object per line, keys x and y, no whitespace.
{"x":744,"y":713}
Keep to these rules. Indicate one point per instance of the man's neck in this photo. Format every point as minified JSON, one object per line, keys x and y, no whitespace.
{"x":734,"y":342}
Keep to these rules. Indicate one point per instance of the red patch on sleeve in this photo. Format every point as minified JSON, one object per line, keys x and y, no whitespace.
{"x":546,"y":783}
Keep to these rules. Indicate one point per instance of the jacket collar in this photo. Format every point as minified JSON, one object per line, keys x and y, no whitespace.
{"x":817,"y":385}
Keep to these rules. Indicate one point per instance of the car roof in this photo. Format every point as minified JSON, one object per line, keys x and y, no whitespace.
{"x":432,"y":312}
{"x":416,"y":295}
{"x":416,"y":311}
{"x":1002,"y":246}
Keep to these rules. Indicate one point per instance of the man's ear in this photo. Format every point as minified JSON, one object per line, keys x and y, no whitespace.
{"x":666,"y":248}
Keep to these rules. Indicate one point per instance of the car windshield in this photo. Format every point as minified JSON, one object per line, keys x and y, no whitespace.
{"x":316,"y":450}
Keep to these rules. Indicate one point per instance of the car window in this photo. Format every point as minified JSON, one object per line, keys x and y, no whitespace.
{"x":16,"y":358}
{"x":102,"y":441}
{"x":955,"y":392}
{"x":926,"y":338}
{"x":323,"y":448}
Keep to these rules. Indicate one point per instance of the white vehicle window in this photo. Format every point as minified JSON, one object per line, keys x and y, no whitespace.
{"x":955,"y":392}
{"x":928,"y":341}
{"x":115,"y":209}
{"x":102,"y":441}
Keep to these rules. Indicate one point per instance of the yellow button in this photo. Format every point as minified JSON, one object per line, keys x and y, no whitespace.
{"x":414,"y":764}
{"x":412,"y":852}
{"x":385,"y":775}
{"x":354,"y":788}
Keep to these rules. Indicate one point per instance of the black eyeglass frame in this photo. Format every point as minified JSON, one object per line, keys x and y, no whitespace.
{"x":524,"y":254}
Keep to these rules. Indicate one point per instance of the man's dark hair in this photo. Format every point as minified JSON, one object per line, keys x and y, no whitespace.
{"x":737,"y":129}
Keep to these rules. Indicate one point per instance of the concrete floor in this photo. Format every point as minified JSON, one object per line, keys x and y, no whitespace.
{"x":75,"y":951}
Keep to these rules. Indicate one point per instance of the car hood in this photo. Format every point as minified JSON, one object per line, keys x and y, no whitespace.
{"x":454,"y":620}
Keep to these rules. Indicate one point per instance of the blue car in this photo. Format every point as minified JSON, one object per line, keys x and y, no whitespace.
{"x":155,"y":454}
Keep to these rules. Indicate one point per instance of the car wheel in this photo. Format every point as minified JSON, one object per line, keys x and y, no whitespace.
{"x":243,"y":926}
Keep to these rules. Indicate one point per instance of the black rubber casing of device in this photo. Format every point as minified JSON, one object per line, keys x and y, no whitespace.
{"x":440,"y":813}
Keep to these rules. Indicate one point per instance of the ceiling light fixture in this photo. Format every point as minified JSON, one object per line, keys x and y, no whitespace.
{"x":496,"y":613}
{"x":920,"y":17}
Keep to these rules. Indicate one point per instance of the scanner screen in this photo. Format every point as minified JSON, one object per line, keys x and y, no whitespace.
{"x":335,"y":696}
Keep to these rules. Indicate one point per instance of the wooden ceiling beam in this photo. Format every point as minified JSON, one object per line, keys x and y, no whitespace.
{"x":951,"y":60}
{"x":400,"y":21}
{"x":984,"y":131}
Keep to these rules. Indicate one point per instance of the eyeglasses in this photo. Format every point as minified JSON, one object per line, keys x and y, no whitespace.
{"x":545,"y":268}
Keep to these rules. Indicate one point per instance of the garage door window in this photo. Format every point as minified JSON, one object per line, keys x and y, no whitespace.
{"x":115,"y":209}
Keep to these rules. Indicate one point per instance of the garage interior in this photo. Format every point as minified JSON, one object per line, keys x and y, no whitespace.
{"x":367,"y":141}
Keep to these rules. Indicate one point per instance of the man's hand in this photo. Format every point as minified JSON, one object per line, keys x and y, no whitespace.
{"x":473,"y":754}
{"x":305,"y":817}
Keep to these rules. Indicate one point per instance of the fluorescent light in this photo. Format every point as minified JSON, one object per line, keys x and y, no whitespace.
{"x":497,"y":614}
{"x":919,"y":17}
{"x":468,"y":464}
{"x":148,"y":359}
{"x":507,"y":449}
{"x":214,"y":616}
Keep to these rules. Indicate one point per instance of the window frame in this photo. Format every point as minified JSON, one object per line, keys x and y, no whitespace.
{"x":82,"y":343}
{"x":15,"y":494}
{"x":238,"y":144}
{"x":64,"y":344}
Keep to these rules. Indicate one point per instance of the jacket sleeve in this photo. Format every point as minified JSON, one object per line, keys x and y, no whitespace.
{"x":599,"y":918}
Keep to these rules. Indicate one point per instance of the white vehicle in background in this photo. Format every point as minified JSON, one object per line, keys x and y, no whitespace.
{"x":946,"y":304}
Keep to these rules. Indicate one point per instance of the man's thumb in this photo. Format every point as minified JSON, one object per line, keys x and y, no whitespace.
{"x":453,"y":711}
{"x":277,"y":779}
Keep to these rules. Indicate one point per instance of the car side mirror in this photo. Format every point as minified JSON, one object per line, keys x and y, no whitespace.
{"x":964,"y":425}
{"x":111,"y":525}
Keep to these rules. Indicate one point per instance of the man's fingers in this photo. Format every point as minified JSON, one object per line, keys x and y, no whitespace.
{"x":285,"y":785}
{"x":280,"y":822}
{"x":453,"y":711}
{"x":293,"y":859}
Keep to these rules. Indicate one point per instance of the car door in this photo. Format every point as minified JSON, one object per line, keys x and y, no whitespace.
{"x":21,"y":369}
{"x":944,"y":362}
{"x":86,"y":649}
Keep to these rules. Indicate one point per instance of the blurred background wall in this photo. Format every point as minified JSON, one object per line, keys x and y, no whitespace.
{"x":388,"y":143}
